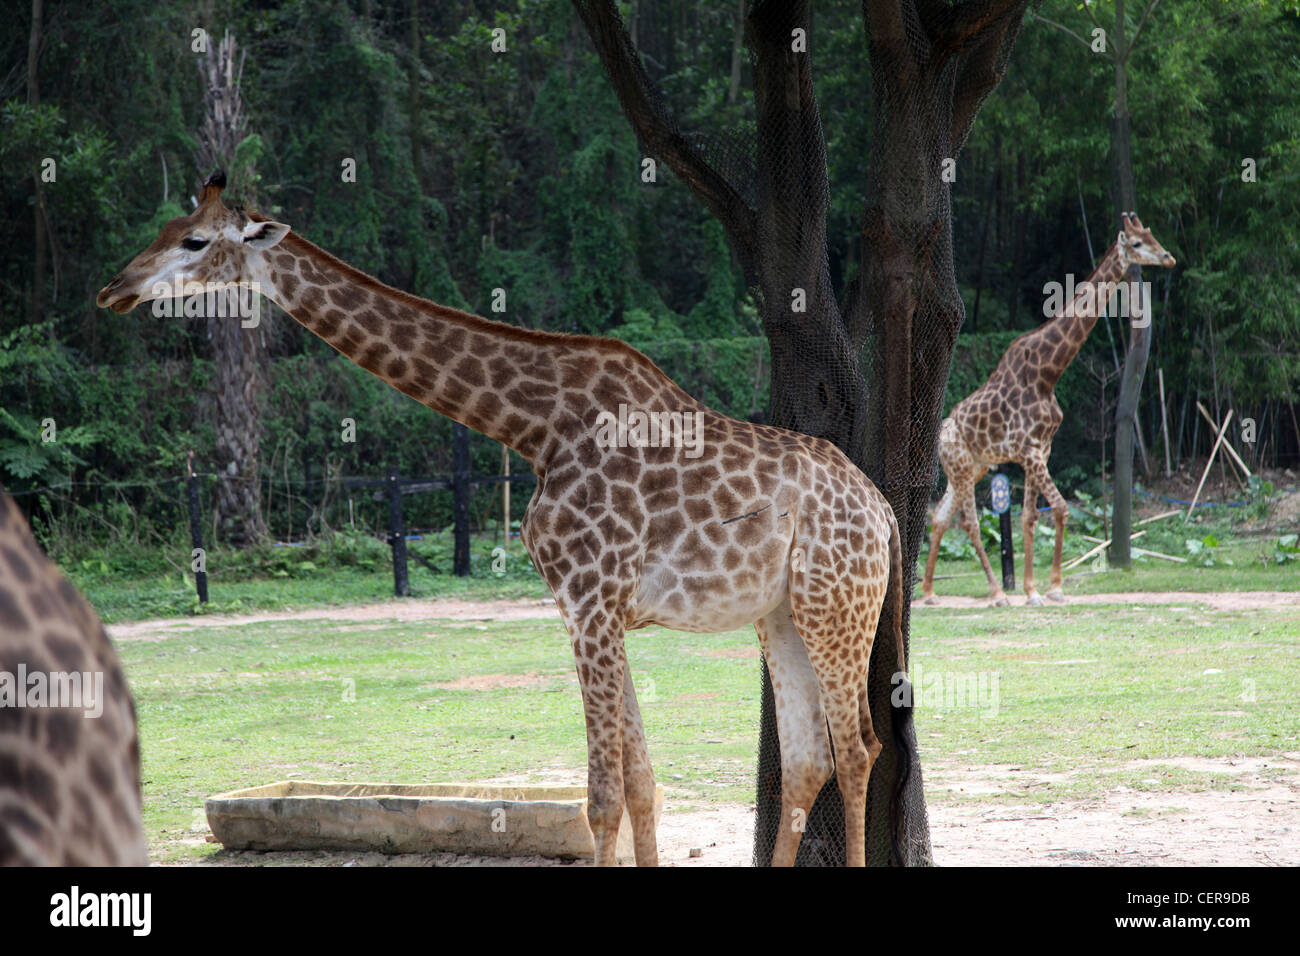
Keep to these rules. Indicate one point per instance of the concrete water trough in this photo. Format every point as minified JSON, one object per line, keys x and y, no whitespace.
{"x":412,"y":818}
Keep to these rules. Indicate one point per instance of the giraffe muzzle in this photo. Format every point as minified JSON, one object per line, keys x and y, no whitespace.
{"x":110,"y":297}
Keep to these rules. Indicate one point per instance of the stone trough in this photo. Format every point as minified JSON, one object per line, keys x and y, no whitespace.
{"x":412,"y":818}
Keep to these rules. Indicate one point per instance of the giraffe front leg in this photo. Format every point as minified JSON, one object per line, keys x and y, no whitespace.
{"x":638,"y":777}
{"x":601,"y":665}
{"x":1037,"y":468}
{"x":1028,"y":522}
{"x":970,"y":522}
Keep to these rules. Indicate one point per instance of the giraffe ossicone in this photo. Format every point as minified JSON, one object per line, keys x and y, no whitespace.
{"x":626,"y":534}
{"x":1013,"y":417}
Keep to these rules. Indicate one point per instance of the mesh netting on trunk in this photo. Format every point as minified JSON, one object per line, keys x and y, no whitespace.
{"x":864,"y":368}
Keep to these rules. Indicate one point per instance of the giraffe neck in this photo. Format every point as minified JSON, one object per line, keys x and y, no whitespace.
{"x":529,"y":390}
{"x":1071,"y":326}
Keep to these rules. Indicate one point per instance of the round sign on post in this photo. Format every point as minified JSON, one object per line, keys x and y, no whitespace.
{"x":1001,"y":494}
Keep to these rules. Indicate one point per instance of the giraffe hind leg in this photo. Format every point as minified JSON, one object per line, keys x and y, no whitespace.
{"x":806,"y":759}
{"x":836,"y":614}
{"x":1036,"y":469}
{"x":939,"y":523}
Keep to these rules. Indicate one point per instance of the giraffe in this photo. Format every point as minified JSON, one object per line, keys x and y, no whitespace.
{"x":1014,"y":416}
{"x":724,"y":524}
{"x":69,"y":765}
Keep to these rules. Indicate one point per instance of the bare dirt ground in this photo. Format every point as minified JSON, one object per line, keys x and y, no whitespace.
{"x":409,"y":609}
{"x":1253,"y":822}
{"x":1217,"y":600}
{"x":1256,"y":823}
{"x":413,"y":609}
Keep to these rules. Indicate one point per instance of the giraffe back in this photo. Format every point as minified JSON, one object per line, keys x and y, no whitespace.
{"x":69,"y":753}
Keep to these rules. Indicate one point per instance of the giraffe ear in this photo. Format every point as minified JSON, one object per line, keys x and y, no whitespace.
{"x":264,"y":235}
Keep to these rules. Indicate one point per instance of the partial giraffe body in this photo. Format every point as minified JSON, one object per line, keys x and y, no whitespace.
{"x":69,"y":782}
{"x":1013,"y":417}
{"x":751,"y":524}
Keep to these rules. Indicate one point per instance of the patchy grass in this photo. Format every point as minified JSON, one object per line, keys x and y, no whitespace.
{"x":1076,"y":701}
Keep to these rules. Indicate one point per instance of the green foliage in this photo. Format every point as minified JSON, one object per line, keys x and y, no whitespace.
{"x":1202,"y":552}
{"x":479,"y":171}
{"x":1288,"y":549}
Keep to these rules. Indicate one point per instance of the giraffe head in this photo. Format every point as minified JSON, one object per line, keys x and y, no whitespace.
{"x":214,"y":245}
{"x":1138,"y":247}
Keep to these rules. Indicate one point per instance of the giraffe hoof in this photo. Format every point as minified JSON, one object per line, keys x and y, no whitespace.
{"x":1001,"y":600}
{"x":1034,"y":600}
{"x":1056,"y":596}
{"x":930,"y":599}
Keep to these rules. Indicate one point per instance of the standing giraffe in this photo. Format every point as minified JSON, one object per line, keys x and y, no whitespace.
{"x":69,"y":758}
{"x":1014,"y":415}
{"x":727,"y":523}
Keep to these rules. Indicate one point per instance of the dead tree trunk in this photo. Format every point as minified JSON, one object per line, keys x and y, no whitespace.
{"x":238,"y":382}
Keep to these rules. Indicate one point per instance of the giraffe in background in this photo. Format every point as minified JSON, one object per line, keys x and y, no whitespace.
{"x":1013,"y":417}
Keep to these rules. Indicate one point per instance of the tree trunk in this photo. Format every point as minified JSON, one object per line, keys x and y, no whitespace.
{"x":36,"y":304}
{"x":737,"y":51}
{"x":1135,"y":361}
{"x":239,"y":354}
{"x":238,"y":385}
{"x":932,"y":67}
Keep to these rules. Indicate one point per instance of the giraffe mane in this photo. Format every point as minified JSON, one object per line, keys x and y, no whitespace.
{"x":364,"y":280}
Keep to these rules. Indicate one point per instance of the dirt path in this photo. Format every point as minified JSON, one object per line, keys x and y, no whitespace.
{"x":534,"y":609}
{"x":1217,"y":600}
{"x":411,"y":609}
{"x":1256,"y":823}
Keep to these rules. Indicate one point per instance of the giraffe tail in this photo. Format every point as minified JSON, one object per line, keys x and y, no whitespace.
{"x":901,"y":695}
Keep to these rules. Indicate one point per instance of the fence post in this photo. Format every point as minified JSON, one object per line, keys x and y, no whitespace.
{"x":460,"y":492}
{"x":397,"y":536}
{"x":196,"y":531}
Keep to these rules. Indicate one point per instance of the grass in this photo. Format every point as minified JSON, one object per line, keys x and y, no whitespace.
{"x":1084,"y":703}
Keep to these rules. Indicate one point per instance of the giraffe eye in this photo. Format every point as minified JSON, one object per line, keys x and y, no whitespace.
{"x":194,"y":245}
{"x":1136,"y":243}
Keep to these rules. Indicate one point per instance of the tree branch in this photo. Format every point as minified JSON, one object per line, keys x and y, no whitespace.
{"x":985,"y":63}
{"x":1236,"y":14}
{"x":1087,"y":8}
{"x":952,"y":28}
{"x":887,"y":30}
{"x":1132,"y":43}
{"x":1065,"y":29}
{"x":658,"y":131}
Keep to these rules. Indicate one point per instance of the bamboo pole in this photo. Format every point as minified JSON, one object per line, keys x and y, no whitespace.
{"x":1228,"y":445}
{"x":1163,"y":514}
{"x":1164,"y":420}
{"x":1157,"y":554}
{"x":1084,"y":557}
{"x":1213,"y":451}
{"x":1100,"y":546}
